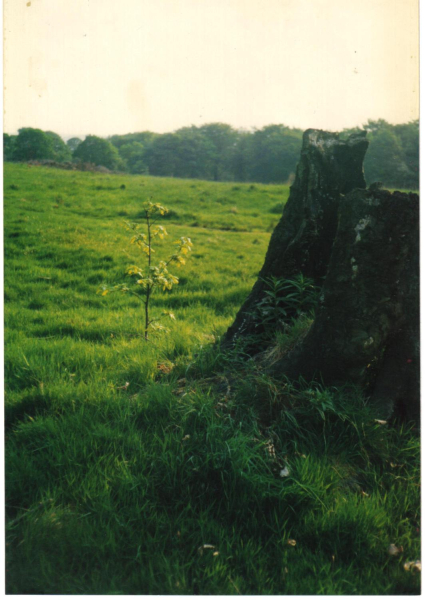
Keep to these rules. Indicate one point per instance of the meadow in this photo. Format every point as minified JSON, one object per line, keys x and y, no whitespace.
{"x":157,"y":467}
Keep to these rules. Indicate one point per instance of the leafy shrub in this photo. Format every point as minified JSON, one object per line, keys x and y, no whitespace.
{"x":285,"y":299}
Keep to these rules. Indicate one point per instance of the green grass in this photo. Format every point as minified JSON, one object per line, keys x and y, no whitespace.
{"x":115,"y":488}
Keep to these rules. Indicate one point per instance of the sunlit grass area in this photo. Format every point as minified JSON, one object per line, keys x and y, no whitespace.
{"x":173,"y":466}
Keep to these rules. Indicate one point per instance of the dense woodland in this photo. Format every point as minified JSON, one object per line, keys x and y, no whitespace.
{"x":217,"y":152}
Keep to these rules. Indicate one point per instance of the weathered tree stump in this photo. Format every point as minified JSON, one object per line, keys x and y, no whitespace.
{"x":303,"y":238}
{"x":363,"y":249}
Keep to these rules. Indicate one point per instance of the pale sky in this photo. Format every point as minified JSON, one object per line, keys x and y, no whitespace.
{"x":102,"y":67}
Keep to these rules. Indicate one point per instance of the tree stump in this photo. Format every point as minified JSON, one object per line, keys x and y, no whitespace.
{"x":362,"y":247}
{"x":303,"y":238}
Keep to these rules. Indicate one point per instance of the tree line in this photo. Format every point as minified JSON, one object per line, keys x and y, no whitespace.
{"x":218,"y":152}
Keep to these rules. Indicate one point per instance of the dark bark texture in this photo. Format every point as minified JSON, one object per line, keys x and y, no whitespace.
{"x":366,"y":328}
{"x":362,"y":247}
{"x":303,"y":238}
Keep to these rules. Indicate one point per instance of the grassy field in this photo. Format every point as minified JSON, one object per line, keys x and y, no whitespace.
{"x":155,"y":467}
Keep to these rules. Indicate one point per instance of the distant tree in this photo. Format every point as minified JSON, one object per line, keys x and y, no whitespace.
{"x":408,"y":134}
{"x":195,"y":154}
{"x":72,"y":143}
{"x":385,"y":159}
{"x":98,"y":151}
{"x":205,"y":152}
{"x":9,"y":142}
{"x":144,"y":137}
{"x":163,"y":155}
{"x":223,"y":139}
{"x":61,"y":152}
{"x":393,"y":153}
{"x":217,"y":151}
{"x":373,"y":127}
{"x":134,"y":156}
{"x":240,"y":157}
{"x":133,"y":149}
{"x":274,"y":152}
{"x":33,"y":144}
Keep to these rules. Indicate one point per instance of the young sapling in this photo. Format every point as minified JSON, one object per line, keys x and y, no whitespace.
{"x":150,"y":277}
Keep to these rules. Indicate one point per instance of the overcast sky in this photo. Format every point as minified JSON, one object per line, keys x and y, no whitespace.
{"x":101,"y":67}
